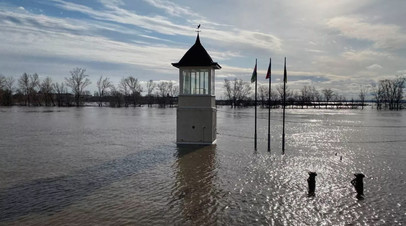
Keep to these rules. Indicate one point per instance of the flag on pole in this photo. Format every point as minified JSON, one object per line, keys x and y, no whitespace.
{"x":285,"y":76}
{"x":254,"y":73}
{"x":268,"y":74}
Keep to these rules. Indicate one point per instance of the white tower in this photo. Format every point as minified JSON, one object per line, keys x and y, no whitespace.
{"x":196,"y":113}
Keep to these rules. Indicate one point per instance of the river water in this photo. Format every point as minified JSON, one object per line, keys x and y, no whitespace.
{"x":103,"y":166}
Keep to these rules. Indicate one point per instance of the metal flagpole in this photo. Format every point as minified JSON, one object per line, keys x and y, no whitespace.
{"x":255,"y":135}
{"x":269,"y":105}
{"x":284,"y":106}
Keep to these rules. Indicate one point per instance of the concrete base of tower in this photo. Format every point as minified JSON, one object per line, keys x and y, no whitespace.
{"x":196,"y":125}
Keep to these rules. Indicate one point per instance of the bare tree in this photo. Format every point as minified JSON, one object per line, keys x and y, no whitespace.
{"x":163,"y":93}
{"x":173,"y":91}
{"x":135,"y":88}
{"x":117,"y":97}
{"x":47,"y":90}
{"x":102,"y":86}
{"x":34,"y":86}
{"x":328,"y":95}
{"x":228,"y":91}
{"x":150,"y":89}
{"x":24,"y":87}
{"x":289,"y":93}
{"x":398,"y":91}
{"x":2,"y":81}
{"x":237,"y":91}
{"x":362,"y":93}
{"x":6,"y":90}
{"x":125,"y":91}
{"x":263,"y":94}
{"x":390,"y":92}
{"x":241,"y":91}
{"x":29,"y":86}
{"x":61,"y":91}
{"x":77,"y":81}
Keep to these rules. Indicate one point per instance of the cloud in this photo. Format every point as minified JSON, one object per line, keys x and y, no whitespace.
{"x":384,"y":36}
{"x":374,"y":67}
{"x":172,"y":8}
{"x":162,"y":25}
{"x":364,"y":55}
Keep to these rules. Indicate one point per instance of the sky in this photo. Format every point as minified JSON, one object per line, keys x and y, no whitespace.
{"x":341,"y":45}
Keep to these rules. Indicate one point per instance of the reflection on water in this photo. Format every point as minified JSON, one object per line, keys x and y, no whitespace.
{"x":50,"y":195}
{"x":98,"y":166}
{"x":195,"y":184}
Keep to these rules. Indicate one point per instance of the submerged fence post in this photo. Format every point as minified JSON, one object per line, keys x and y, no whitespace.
{"x":311,"y":181}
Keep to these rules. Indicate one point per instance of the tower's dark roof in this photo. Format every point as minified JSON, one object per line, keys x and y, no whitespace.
{"x":196,"y":56}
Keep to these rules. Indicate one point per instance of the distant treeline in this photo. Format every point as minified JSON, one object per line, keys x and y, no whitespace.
{"x":28,"y":90}
{"x":387,"y":94}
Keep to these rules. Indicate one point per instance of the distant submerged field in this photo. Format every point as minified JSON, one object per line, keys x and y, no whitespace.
{"x":121,"y":166}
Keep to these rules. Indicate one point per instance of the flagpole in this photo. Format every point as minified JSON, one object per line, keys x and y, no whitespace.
{"x":255,"y":135}
{"x":269,"y":106}
{"x":284,"y":106}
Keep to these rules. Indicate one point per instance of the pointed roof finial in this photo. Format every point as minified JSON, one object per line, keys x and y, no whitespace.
{"x":198,"y":29}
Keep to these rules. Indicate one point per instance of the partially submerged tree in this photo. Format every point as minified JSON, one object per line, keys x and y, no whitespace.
{"x":173,"y":91}
{"x":150,"y":89}
{"x":6,"y":90}
{"x":77,"y":81}
{"x":237,"y":91}
{"x":263,"y":94}
{"x":135,"y":88}
{"x":28,"y":87}
{"x":362,"y":94}
{"x":47,"y":89}
{"x":102,"y":86}
{"x":125,"y":91}
{"x":116,"y":98}
{"x":162,"y":93}
{"x":328,"y":95}
{"x":61,"y":94}
{"x":24,"y":87}
{"x":390,"y":93}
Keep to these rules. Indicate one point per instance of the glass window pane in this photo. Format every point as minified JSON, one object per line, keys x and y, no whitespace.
{"x":206,"y":82}
{"x":192,"y":82}
{"x":212,"y":82}
{"x":186,"y":82}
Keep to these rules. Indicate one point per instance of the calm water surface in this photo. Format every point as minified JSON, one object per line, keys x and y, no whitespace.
{"x":121,"y":166}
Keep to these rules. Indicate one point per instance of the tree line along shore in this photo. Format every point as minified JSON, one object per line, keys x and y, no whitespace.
{"x":29,"y":90}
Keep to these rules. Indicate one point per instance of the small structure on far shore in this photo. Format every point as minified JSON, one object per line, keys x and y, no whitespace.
{"x":196,"y":113}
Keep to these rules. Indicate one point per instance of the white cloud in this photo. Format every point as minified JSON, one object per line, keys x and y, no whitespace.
{"x":162,"y":25}
{"x":364,"y":55}
{"x":374,"y":67}
{"x":385,"y":36}
{"x":172,"y":8}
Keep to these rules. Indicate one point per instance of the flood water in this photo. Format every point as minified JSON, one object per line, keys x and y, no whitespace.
{"x":90,"y":165}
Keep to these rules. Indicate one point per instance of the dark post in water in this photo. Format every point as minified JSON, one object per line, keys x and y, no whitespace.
{"x":358,"y":184}
{"x":311,"y":181}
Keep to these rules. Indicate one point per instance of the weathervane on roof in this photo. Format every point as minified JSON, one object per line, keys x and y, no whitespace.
{"x":198,"y":29}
